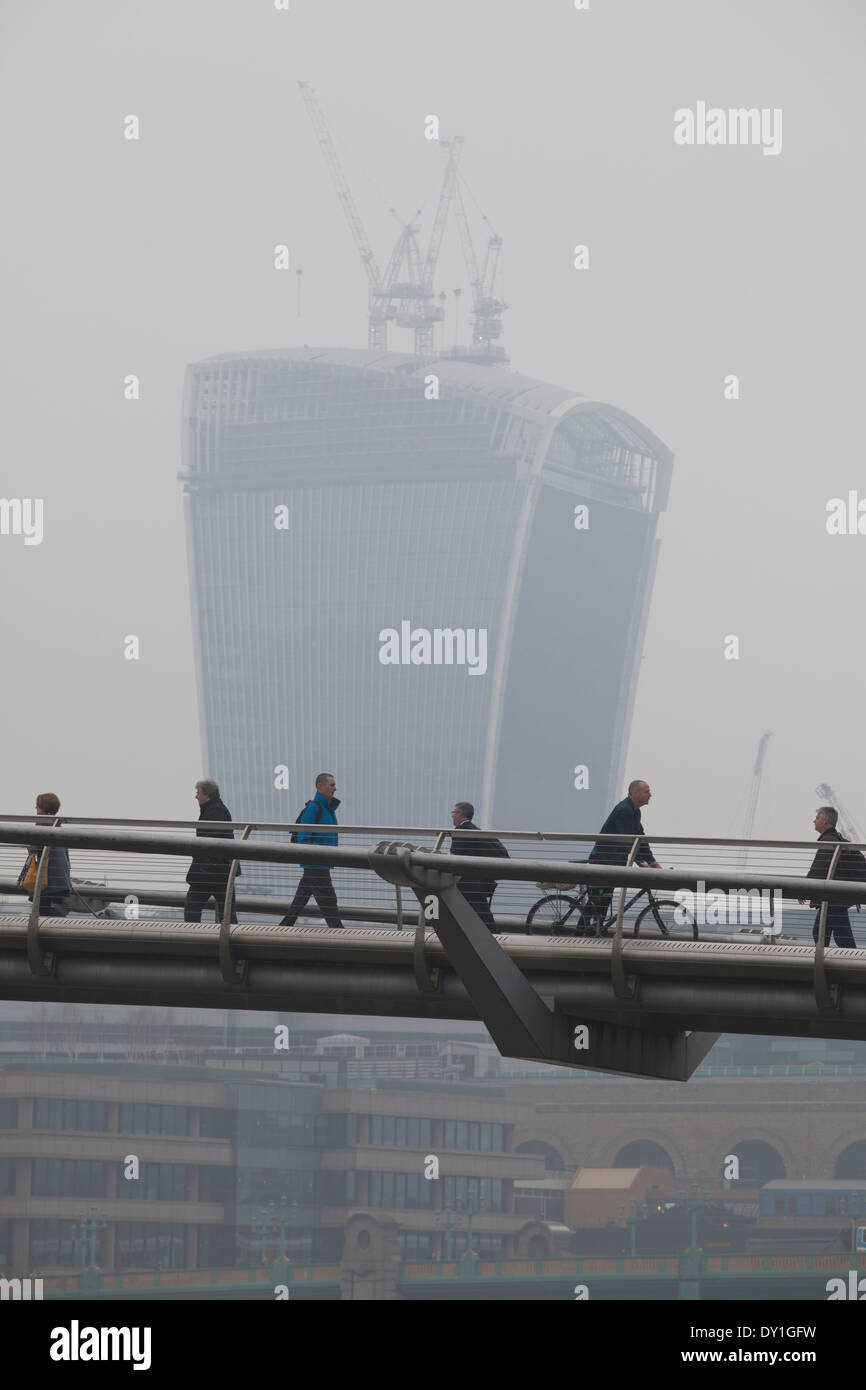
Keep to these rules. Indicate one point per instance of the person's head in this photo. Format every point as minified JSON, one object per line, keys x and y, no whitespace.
{"x":825,"y":819}
{"x":463,"y":810}
{"x":639,"y":792}
{"x":47,"y":804}
{"x":326,"y":783}
{"x":205,"y":790}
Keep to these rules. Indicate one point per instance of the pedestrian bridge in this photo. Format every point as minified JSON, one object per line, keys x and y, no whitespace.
{"x":646,"y":1006}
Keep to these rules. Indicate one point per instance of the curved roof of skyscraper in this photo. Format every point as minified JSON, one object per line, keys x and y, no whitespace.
{"x":522,"y":393}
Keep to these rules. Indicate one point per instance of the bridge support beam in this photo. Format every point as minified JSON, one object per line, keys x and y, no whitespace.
{"x":520,"y":1022}
{"x":642,"y":1052}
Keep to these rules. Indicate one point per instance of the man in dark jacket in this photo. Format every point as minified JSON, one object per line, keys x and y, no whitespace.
{"x":208,"y":877}
{"x":478,"y":892}
{"x":316,"y":878}
{"x":838,"y":923}
{"x":624,"y":819}
{"x":56,"y":884}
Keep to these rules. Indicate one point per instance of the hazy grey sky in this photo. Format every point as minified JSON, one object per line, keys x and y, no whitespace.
{"x":142,"y":256}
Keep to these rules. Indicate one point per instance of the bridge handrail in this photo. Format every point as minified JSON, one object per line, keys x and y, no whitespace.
{"x":480,"y":866}
{"x":381,"y":831}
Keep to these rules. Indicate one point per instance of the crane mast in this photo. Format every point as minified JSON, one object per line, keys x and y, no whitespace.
{"x":378,"y":325}
{"x":487,"y":308}
{"x":754,"y":791}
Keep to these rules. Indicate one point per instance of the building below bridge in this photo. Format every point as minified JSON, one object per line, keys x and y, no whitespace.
{"x":219,"y":1122}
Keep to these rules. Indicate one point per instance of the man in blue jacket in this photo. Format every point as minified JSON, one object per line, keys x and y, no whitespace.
{"x":624,"y":819}
{"x":316,"y":878}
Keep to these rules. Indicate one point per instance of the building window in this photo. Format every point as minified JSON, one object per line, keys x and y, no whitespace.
{"x":264,"y":1185}
{"x":68,"y":1177}
{"x":53,"y":1243}
{"x":459,"y":1134}
{"x":400,"y":1191}
{"x":8,"y":1114}
{"x":336,"y":1131}
{"x":157,"y":1182}
{"x":138,"y":1118}
{"x":460,"y":1192}
{"x":149,"y":1245}
{"x":336,"y":1189}
{"x":86,"y":1115}
{"x":216,"y":1124}
{"x":7,"y":1177}
{"x":406,"y":1132}
{"x":415,"y":1245}
{"x":216,"y":1183}
{"x":276,"y":1128}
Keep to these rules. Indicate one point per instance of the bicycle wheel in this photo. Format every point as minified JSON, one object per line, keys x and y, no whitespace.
{"x":550,"y":914}
{"x":666,"y":918}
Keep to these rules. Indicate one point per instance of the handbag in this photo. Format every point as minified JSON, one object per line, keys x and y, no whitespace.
{"x":30,"y":871}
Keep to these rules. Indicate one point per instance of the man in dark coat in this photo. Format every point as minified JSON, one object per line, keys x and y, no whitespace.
{"x":624,"y":819}
{"x":838,"y":923}
{"x":208,"y":877}
{"x":478,"y":892}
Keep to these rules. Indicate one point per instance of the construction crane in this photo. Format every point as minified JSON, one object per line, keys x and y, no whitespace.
{"x":487,"y":306}
{"x":755,"y":788}
{"x":405,"y":292}
{"x":846,"y":822}
{"x":378,"y":324}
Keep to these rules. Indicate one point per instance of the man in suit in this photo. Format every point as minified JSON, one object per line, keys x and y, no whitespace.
{"x":208,"y":877}
{"x":624,"y":819}
{"x":478,"y":892}
{"x":838,"y":924}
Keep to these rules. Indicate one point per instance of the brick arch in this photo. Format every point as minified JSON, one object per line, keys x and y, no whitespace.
{"x":855,"y":1134}
{"x":760,"y":1134}
{"x":546,"y":1136}
{"x":634,"y":1134}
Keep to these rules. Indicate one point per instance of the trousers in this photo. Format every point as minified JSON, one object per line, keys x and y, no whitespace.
{"x":200,"y":894}
{"x":479,"y":895}
{"x":838,"y":926}
{"x":315,"y":883}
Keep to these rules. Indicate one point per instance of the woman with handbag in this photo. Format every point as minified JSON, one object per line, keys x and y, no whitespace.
{"x":56,"y":883}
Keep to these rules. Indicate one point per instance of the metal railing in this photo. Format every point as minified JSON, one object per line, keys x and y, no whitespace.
{"x":153,"y":875}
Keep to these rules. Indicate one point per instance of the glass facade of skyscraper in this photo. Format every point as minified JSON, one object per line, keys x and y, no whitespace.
{"x":430,"y":578}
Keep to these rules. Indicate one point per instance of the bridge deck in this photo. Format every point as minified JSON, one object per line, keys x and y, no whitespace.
{"x":722,"y":957}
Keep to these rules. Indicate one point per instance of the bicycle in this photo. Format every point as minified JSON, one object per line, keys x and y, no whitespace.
{"x":552,"y":913}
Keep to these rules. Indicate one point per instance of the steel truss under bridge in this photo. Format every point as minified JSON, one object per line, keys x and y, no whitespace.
{"x":647,"y":1008}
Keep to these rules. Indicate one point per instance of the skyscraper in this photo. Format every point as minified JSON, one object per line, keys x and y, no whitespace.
{"x":429,"y":577}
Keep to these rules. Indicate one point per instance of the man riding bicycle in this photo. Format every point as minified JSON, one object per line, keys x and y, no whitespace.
{"x":624,"y":819}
